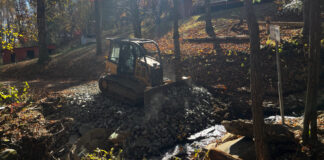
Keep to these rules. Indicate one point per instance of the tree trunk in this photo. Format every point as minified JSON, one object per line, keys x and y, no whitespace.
{"x":136,"y":19}
{"x":256,"y":86}
{"x":41,"y":24}
{"x":176,"y":39}
{"x":157,"y":15}
{"x":98,"y":26}
{"x":310,"y":117}
{"x":208,"y":27}
{"x":157,"y":12}
{"x":306,"y":20}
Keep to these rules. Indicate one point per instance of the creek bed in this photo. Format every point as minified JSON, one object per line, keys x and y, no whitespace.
{"x":207,"y":136}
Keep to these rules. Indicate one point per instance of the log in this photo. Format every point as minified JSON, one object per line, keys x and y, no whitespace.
{"x":273,"y":132}
{"x":220,"y":39}
{"x":298,"y":24}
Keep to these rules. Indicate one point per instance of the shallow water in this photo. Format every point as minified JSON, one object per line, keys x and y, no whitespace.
{"x":196,"y":141}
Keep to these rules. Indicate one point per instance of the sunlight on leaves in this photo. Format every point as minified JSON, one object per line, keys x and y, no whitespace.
{"x":242,"y":65}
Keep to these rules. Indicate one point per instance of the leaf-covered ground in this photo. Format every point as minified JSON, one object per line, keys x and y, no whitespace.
{"x":225,"y":23}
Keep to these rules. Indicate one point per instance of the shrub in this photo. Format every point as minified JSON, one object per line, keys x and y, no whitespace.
{"x":9,"y":95}
{"x":100,"y":154}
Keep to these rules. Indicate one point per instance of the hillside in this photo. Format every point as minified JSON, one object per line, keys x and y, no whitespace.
{"x":225,"y":23}
{"x":60,"y":111}
{"x":81,"y":62}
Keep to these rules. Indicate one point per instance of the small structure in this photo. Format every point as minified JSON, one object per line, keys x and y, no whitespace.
{"x":87,"y":39}
{"x":24,"y":53}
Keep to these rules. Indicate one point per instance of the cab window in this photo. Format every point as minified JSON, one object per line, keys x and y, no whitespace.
{"x":115,"y":51}
{"x":136,"y":51}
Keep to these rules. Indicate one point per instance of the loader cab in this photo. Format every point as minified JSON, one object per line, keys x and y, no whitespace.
{"x":129,"y":58}
{"x":121,"y":59}
{"x":124,"y":58}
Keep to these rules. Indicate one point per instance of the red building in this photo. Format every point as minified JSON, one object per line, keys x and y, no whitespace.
{"x":24,"y":53}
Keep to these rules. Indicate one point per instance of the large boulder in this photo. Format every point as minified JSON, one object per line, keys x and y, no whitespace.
{"x":273,"y":132}
{"x":95,"y":138}
{"x":215,"y":154}
{"x":242,"y":148}
{"x":279,"y":138}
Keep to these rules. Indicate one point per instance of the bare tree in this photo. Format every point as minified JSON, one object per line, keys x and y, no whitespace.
{"x":208,"y":27}
{"x":41,"y":24}
{"x":98,"y":26}
{"x":136,"y":20}
{"x":310,"y":117}
{"x":256,"y":86}
{"x":176,"y":39}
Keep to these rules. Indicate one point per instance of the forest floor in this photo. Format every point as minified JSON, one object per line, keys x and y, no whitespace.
{"x":67,"y":107}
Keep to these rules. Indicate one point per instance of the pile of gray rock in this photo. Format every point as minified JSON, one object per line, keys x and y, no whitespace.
{"x":139,"y":131}
{"x":192,"y":110}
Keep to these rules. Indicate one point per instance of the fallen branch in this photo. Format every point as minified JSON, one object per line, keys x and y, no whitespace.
{"x":63,"y":128}
{"x":299,"y":24}
{"x":220,"y":39}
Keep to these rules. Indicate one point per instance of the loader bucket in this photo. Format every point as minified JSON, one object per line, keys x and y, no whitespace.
{"x":157,"y":96}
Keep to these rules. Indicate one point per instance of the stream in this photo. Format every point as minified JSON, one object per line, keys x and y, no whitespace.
{"x":196,"y":141}
{"x":207,"y":136}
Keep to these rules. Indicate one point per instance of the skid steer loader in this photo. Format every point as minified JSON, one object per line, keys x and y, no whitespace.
{"x":134,"y":72}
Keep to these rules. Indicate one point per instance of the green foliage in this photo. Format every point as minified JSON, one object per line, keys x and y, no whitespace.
{"x":201,"y":154}
{"x":9,"y":95}
{"x":242,"y":65}
{"x":8,"y":37}
{"x":175,"y":158}
{"x":68,"y":19}
{"x":100,"y":154}
{"x":270,"y":42}
{"x":295,"y":42}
